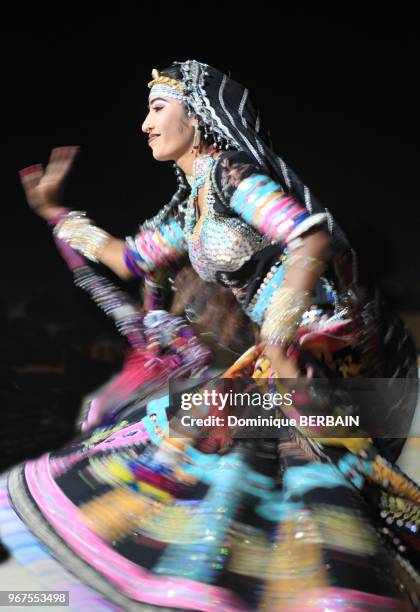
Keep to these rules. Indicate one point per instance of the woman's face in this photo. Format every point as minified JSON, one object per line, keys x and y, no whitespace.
{"x":171,"y":131}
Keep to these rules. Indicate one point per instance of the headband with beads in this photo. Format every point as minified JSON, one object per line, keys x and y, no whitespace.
{"x":165,"y":86}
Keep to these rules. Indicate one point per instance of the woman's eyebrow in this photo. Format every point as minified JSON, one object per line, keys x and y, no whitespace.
{"x":154,"y":100}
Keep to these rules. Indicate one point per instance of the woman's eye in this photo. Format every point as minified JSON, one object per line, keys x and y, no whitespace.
{"x":157,"y":108}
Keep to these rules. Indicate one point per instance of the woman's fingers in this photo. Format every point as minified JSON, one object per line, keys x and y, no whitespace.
{"x":63,"y":153}
{"x":30,"y":176}
{"x":28,"y":173}
{"x":57,"y":154}
{"x":61,"y":159}
{"x":43,"y":188}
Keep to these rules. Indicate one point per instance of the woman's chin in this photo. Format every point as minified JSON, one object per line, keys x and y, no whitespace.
{"x":159,"y":156}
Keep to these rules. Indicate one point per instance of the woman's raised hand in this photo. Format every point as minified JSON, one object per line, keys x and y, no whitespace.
{"x":43,"y":188}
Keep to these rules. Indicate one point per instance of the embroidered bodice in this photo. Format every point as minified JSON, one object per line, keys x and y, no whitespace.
{"x":240,"y":238}
{"x":216,"y":242}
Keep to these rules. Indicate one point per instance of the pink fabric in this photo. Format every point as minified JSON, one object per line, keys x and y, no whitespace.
{"x":140,"y":368}
{"x":71,"y":257}
{"x":115,"y":440}
{"x":133,"y":581}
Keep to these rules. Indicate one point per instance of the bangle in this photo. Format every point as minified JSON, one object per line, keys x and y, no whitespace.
{"x":52,"y":222}
{"x":284,"y":314}
{"x":78,"y":231}
{"x":304,"y":262}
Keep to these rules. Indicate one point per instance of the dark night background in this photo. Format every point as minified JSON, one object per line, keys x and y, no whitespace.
{"x":338,"y":93}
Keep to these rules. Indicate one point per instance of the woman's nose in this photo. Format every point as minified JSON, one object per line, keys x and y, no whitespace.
{"x":146,"y":125}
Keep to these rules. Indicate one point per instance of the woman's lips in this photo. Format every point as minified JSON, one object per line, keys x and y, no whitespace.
{"x":153,"y":137}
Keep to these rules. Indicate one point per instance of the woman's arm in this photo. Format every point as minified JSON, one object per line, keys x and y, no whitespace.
{"x":262,"y":203}
{"x":133,"y":257}
{"x":112,"y":256}
{"x":43,"y":190}
{"x":298,"y":285}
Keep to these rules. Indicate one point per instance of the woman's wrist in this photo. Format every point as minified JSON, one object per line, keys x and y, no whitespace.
{"x":50,"y":211}
{"x":59,"y":214}
{"x":284,"y":314}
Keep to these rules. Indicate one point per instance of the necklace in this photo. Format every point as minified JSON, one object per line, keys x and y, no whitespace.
{"x":201,"y":169}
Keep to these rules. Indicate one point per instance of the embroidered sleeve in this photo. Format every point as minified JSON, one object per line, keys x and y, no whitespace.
{"x":159,"y":243}
{"x":261,"y":201}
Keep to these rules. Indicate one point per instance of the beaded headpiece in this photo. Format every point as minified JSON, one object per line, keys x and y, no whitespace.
{"x":165,"y":86}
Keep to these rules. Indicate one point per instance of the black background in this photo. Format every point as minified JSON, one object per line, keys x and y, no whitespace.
{"x":337,"y":91}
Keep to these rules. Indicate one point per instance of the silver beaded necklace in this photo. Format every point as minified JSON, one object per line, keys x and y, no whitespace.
{"x":201,"y":169}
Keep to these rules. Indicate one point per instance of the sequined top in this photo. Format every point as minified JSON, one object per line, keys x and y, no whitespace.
{"x":246,"y":223}
{"x":208,"y":253}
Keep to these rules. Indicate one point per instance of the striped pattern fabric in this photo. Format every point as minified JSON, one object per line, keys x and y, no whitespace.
{"x":261,"y":203}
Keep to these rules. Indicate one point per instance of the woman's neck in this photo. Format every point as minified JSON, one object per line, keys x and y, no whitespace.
{"x":186,"y":161}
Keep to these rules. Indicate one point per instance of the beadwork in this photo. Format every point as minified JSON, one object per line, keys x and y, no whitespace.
{"x":258,"y":305}
{"x":77,"y":230}
{"x":208,"y":254}
{"x":284,"y":314}
{"x":312,"y":264}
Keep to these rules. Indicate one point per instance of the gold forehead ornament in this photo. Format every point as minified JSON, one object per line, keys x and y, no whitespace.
{"x":163,"y":80}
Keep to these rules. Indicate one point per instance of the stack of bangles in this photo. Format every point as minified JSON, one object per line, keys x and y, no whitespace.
{"x":288,"y":304}
{"x":75,"y":228}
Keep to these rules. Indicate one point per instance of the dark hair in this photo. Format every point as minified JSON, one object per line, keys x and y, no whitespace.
{"x":174,"y":72}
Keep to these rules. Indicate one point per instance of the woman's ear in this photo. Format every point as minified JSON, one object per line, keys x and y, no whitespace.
{"x":192,"y":119}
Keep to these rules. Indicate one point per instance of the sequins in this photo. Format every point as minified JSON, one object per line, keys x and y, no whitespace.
{"x":259,"y":303}
{"x":218,"y":243}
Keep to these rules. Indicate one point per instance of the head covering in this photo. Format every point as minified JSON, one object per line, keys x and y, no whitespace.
{"x":226,"y":113}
